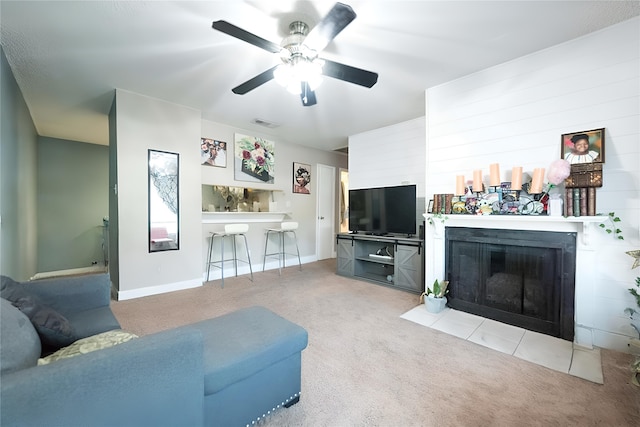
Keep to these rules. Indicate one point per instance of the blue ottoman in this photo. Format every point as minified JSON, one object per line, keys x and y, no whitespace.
{"x":252,"y":365}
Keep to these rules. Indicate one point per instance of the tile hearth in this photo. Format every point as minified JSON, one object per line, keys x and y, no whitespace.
{"x":553,"y":353}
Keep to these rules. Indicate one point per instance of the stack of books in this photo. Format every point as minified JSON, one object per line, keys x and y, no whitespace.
{"x":442,"y":203}
{"x":580,"y":201}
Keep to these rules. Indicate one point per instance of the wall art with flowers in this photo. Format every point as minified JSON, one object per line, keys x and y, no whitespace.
{"x":254,"y":159}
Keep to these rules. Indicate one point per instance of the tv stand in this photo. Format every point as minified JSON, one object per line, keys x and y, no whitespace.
{"x":357,"y":258}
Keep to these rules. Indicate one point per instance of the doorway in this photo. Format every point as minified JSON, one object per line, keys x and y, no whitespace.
{"x":326,"y":212}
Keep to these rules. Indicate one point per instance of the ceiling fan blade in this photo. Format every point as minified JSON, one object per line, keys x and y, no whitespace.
{"x":336,"y":20}
{"x":253,"y":83}
{"x":246,"y":36}
{"x":349,"y":74}
{"x":307,"y":96}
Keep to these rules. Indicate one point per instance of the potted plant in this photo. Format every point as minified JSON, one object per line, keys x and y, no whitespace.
{"x":435,"y":300}
{"x":633,"y":313}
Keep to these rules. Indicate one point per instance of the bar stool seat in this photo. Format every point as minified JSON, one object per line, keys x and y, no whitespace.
{"x":233,"y":231}
{"x":285,"y":227}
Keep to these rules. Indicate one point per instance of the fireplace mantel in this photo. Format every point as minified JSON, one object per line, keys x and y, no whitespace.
{"x":583,"y":225}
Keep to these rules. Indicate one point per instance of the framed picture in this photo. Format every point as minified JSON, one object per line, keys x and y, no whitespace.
{"x":254,"y":159}
{"x":213,"y":153}
{"x":583,"y":147}
{"x":430,"y":207}
{"x":301,"y":178}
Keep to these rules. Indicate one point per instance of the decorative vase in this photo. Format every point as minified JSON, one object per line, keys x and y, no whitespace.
{"x":435,"y":305}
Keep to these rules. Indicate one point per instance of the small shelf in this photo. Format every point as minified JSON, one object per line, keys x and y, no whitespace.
{"x":374,"y":277}
{"x":580,"y":224}
{"x":376,"y":260}
{"x":231,"y":217}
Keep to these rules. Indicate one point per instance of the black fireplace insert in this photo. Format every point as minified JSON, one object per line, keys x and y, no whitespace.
{"x":523,"y":278}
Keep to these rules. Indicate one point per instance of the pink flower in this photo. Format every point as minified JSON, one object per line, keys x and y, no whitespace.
{"x":260,"y":161}
{"x":246,"y":155}
{"x":558,"y":171}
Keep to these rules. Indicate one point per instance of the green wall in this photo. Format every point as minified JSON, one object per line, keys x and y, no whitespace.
{"x":73,"y":199}
{"x":18,"y":140}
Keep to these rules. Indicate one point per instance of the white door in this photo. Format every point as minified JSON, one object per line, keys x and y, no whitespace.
{"x":326,"y":212}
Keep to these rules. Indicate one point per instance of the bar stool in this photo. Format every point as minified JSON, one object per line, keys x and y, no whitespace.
{"x":285,"y":227}
{"x":233,"y":231}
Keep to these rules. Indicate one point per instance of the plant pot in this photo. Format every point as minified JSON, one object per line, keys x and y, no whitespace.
{"x":262,"y":176}
{"x":435,"y":305}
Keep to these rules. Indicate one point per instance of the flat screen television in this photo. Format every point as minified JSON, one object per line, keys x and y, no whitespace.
{"x":383,"y":210}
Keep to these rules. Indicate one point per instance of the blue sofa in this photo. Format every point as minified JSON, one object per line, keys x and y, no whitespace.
{"x":225,"y":371}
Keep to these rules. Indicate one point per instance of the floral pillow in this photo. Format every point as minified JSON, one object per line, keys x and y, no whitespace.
{"x":89,"y":344}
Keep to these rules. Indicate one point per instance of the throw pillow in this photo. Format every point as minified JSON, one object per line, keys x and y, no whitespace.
{"x":89,"y":344}
{"x":19,"y":342}
{"x":54,"y":329}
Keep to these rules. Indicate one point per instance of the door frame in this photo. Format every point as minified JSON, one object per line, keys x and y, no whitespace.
{"x":332,"y":173}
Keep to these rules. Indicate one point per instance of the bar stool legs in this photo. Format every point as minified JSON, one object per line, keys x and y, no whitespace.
{"x":233,"y":231}
{"x":285,"y":227}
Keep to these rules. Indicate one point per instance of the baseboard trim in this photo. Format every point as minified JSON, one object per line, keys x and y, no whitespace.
{"x":159,"y":289}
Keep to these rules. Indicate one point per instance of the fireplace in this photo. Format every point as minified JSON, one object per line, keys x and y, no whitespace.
{"x":520,"y":277}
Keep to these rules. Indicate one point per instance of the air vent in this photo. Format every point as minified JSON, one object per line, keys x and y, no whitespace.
{"x":264,"y":123}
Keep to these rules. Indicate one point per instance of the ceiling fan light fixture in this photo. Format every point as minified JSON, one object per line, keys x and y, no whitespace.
{"x":300,"y":69}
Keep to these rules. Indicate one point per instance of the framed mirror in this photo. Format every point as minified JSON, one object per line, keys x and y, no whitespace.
{"x":164,"y":201}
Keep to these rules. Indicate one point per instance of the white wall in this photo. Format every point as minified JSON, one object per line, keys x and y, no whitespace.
{"x":388,"y":156}
{"x":145,"y":123}
{"x":302,"y":207}
{"x":514,"y":114}
{"x":140,"y":123}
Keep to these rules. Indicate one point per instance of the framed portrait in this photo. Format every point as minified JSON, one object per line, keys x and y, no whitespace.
{"x":586,"y":146}
{"x":430,"y":206}
{"x":213,"y":153}
{"x":301,"y":178}
{"x":254,"y":159}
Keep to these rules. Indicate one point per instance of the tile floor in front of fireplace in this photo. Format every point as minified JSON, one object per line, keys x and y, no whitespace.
{"x":545,"y":350}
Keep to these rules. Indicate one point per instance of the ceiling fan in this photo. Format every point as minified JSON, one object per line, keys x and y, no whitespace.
{"x":301,"y":68}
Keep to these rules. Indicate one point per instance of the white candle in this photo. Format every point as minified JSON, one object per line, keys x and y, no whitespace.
{"x":494,"y":175}
{"x":460,"y":191}
{"x":516,"y":178}
{"x":536,"y":182}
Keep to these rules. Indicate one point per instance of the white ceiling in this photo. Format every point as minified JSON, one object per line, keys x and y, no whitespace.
{"x":69,"y":56}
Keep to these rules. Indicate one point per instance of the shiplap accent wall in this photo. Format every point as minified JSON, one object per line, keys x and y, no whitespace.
{"x":513,"y":114}
{"x":388,"y":156}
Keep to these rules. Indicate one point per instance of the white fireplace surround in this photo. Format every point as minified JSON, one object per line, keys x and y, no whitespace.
{"x":585,"y":253}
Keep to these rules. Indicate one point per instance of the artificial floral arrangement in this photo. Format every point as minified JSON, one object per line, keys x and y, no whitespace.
{"x":229,"y":195}
{"x":559,"y":170}
{"x":634,"y":314}
{"x":632,"y":311}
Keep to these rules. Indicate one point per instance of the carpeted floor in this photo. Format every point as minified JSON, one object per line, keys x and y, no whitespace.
{"x":366,"y":366}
